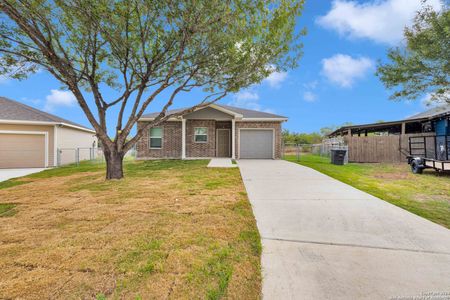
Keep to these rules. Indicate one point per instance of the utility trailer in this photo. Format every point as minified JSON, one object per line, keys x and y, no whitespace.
{"x":429,"y":152}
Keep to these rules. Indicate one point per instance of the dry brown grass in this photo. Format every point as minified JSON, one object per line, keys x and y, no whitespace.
{"x":168,"y":230}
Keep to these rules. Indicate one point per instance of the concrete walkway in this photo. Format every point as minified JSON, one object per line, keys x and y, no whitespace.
{"x":323,"y":239}
{"x":6,"y":174}
{"x":221,"y":162}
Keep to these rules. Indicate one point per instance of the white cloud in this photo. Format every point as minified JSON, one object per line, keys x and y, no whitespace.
{"x":311,"y":85}
{"x":247,"y":96}
{"x":309,"y":96}
{"x":59,"y":98}
{"x":344,"y":70}
{"x":246,"y":99}
{"x":429,"y":100}
{"x":382,"y":20}
{"x":276,"y":78}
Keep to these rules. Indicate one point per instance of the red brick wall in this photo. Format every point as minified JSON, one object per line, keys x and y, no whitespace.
{"x":195,"y":149}
{"x":172,"y":139}
{"x":271,"y":125}
{"x":223,"y":124}
{"x":171,"y":144}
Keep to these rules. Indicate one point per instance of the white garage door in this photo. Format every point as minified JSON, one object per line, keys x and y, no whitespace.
{"x":256,"y":143}
{"x":22,"y":150}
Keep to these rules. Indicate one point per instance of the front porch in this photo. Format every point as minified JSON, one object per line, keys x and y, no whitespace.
{"x":208,"y":138}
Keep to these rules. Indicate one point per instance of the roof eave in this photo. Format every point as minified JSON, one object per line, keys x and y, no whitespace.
{"x":237,"y":119}
{"x":275,"y":119}
{"x":152,"y":119}
{"x":23,"y":122}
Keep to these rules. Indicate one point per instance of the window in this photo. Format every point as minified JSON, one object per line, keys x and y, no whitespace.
{"x":201,"y":134}
{"x":156,"y":138}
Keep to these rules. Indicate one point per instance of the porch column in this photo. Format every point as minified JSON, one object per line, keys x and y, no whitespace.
{"x":183,"y":138}
{"x":233,"y":138}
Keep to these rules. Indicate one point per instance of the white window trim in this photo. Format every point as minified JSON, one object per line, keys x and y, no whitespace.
{"x":45,"y":133}
{"x":150,"y":138}
{"x":207,"y":137}
{"x":55,"y":146}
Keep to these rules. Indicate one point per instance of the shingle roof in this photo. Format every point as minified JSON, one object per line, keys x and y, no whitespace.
{"x":433,"y":112}
{"x":246,"y":113}
{"x":16,"y":111}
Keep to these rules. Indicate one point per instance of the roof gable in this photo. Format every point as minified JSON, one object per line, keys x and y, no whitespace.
{"x":231,"y":110}
{"x":208,"y":113}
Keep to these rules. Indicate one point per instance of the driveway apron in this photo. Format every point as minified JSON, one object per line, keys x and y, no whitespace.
{"x":6,"y":174}
{"x":323,"y":239}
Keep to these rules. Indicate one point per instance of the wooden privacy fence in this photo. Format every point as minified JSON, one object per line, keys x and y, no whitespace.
{"x":373,"y":149}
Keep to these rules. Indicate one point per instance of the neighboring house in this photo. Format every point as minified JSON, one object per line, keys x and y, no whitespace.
{"x":30,"y":138}
{"x":389,"y":141}
{"x":213,"y":131}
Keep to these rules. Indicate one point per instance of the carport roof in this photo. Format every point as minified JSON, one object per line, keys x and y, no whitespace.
{"x":11,"y":110}
{"x":431,"y":114}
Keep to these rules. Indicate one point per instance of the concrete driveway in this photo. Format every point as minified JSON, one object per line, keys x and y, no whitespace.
{"x":323,"y":239}
{"x":6,"y":174}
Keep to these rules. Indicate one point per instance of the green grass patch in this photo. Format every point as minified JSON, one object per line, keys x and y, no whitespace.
{"x":253,"y":238}
{"x":84,"y":166}
{"x":217,"y":270}
{"x":7,"y":209}
{"x":11,"y":182}
{"x":427,"y":195}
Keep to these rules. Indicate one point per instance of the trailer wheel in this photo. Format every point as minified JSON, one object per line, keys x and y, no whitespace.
{"x":415,"y":168}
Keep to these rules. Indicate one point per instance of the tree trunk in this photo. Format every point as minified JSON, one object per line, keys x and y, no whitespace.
{"x":114,"y":164}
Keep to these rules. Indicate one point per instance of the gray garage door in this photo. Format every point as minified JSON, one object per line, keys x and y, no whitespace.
{"x":256,"y":143}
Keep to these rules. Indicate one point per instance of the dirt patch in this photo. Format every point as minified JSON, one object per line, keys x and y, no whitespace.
{"x":155,"y":234}
{"x":392,"y":176}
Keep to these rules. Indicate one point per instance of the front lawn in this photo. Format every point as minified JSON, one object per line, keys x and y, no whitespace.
{"x":170,"y":229}
{"x":427,"y":195}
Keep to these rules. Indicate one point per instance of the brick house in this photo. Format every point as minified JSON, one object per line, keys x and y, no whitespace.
{"x":213,"y":131}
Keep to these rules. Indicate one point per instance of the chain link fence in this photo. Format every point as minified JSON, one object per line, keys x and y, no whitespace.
{"x":68,"y":156}
{"x":322,"y":149}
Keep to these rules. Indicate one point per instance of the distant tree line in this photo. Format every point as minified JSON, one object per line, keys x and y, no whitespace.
{"x":292,"y":137}
{"x":301,"y":138}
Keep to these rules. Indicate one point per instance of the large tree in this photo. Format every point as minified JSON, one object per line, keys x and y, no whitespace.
{"x":146,"y":50}
{"x":423,"y":65}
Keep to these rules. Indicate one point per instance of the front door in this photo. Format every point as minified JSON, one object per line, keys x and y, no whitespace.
{"x":223,"y":143}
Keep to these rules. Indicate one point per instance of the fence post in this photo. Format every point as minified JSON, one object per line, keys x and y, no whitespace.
{"x":298,"y":152}
{"x":77,"y":156}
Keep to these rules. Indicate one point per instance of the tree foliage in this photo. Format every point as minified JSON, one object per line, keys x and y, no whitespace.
{"x":146,"y":50}
{"x":301,"y":138}
{"x":423,"y":66}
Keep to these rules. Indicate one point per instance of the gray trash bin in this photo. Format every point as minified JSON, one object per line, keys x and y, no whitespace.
{"x":338,"y":156}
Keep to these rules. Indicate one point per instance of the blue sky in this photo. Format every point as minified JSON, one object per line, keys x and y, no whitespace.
{"x":334,"y":83}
